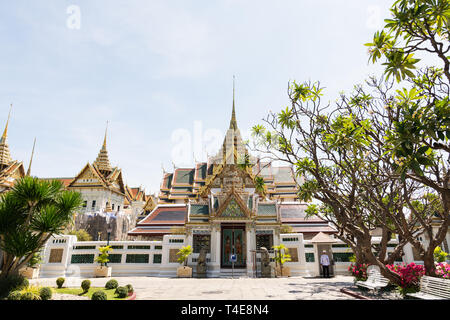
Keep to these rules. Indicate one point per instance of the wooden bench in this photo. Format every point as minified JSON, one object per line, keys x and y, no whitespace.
{"x":432,"y":288}
{"x":374,"y":281}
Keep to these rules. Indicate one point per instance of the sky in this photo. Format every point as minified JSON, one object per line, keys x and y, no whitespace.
{"x":161,"y":74}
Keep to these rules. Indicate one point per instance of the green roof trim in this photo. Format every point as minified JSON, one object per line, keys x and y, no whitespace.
{"x":267,"y":210}
{"x":199,"y":209}
{"x":185,"y":176}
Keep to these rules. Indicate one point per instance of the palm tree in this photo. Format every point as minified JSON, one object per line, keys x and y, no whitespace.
{"x":30,"y":213}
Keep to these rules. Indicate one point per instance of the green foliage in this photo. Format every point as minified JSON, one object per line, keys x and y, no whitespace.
{"x":85,"y":285}
{"x":35,"y":260}
{"x":14,"y":295}
{"x":29,"y":296}
{"x":45,"y":293}
{"x":30,"y":213}
{"x":112,"y":284}
{"x":99,"y":295}
{"x":129,"y":288}
{"x":122,"y":292}
{"x":281,"y":255}
{"x":12,"y":282}
{"x":260,"y":185}
{"x":285,"y":228}
{"x":103,"y":256}
{"x":82,"y":235}
{"x":184,"y":254}
{"x":440,"y":255}
{"x":60,"y":281}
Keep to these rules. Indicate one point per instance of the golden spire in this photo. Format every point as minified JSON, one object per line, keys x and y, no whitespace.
{"x":31,"y":158}
{"x":233,"y":123}
{"x":102,"y":161}
{"x":5,"y":157}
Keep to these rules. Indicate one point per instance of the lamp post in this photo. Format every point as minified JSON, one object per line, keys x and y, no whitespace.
{"x":109,"y":230}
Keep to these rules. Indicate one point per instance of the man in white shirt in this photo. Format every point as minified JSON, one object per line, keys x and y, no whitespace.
{"x":325,"y":262}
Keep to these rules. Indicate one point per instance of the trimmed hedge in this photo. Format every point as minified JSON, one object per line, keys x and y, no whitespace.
{"x":112,"y":284}
{"x":99,"y":295}
{"x":122,"y":292}
{"x":85,"y":285}
{"x":45,"y":293}
{"x":60,"y":282}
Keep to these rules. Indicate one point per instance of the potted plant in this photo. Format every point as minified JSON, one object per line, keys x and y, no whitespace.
{"x":103,"y":270}
{"x":31,"y":271}
{"x":184,"y":271}
{"x":281,"y":256}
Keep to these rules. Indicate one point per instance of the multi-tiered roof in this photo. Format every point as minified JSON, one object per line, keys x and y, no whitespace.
{"x":10,"y":169}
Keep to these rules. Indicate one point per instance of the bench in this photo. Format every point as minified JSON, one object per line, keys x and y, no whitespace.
{"x":432,"y":288}
{"x":374,"y":281}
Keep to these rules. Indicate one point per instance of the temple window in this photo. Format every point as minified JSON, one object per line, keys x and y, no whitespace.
{"x":93,"y":203}
{"x":264,"y":240}
{"x":201,"y":241}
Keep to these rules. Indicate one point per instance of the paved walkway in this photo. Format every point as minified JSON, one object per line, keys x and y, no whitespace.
{"x":293,"y":288}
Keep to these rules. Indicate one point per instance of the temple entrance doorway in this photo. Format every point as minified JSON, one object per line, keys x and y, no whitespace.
{"x":233,"y":242}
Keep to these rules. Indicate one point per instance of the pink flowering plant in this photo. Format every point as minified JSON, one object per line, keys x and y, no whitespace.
{"x":359,"y":271}
{"x":410,"y":276}
{"x":443,"y":270}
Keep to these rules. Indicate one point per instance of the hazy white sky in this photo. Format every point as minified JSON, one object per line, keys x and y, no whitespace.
{"x":161,"y":73}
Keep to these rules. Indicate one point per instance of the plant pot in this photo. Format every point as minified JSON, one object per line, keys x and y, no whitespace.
{"x":30,"y":273}
{"x":102,"y":272}
{"x":285,"y":272}
{"x":184,"y":272}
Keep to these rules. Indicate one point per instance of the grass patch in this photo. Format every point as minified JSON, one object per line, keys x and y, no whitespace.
{"x":79,"y":292}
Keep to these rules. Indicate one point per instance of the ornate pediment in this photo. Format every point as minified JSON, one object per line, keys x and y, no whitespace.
{"x":233,"y":207}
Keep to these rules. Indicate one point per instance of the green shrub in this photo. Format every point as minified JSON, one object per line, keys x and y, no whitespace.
{"x":129,"y":288}
{"x":122,"y":292}
{"x":85,"y":285}
{"x":14,"y":295}
{"x":45,"y":293}
{"x":30,"y":296}
{"x":12,"y":282}
{"x":112,"y":284}
{"x":99,"y":295}
{"x":60,"y":282}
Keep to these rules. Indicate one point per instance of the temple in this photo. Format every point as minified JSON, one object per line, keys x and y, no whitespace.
{"x":110,"y":208}
{"x":232,"y":204}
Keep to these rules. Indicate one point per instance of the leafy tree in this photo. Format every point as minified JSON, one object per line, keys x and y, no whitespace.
{"x":82,"y":235}
{"x":30,"y":213}
{"x":183,"y":254}
{"x":419,"y":113}
{"x":281,"y":255}
{"x":103,"y":256}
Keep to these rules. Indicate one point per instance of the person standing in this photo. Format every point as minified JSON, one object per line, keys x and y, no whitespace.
{"x":325,"y":262}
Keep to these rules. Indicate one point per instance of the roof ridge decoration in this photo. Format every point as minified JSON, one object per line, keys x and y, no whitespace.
{"x":5,"y":156}
{"x":31,"y":158}
{"x":102,"y":160}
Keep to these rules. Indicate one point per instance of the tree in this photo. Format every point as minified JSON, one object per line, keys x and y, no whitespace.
{"x":30,"y":213}
{"x":82,"y":235}
{"x":376,"y":159}
{"x":419,"y":115}
{"x":184,"y":254}
{"x":103,"y":256}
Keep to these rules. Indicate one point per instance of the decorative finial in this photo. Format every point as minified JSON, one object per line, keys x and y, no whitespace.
{"x":31,"y":158}
{"x":233,"y":123}
{"x":106,"y":133}
{"x":5,"y":132}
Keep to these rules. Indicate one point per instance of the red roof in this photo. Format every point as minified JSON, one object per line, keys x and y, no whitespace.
{"x":161,"y":215}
